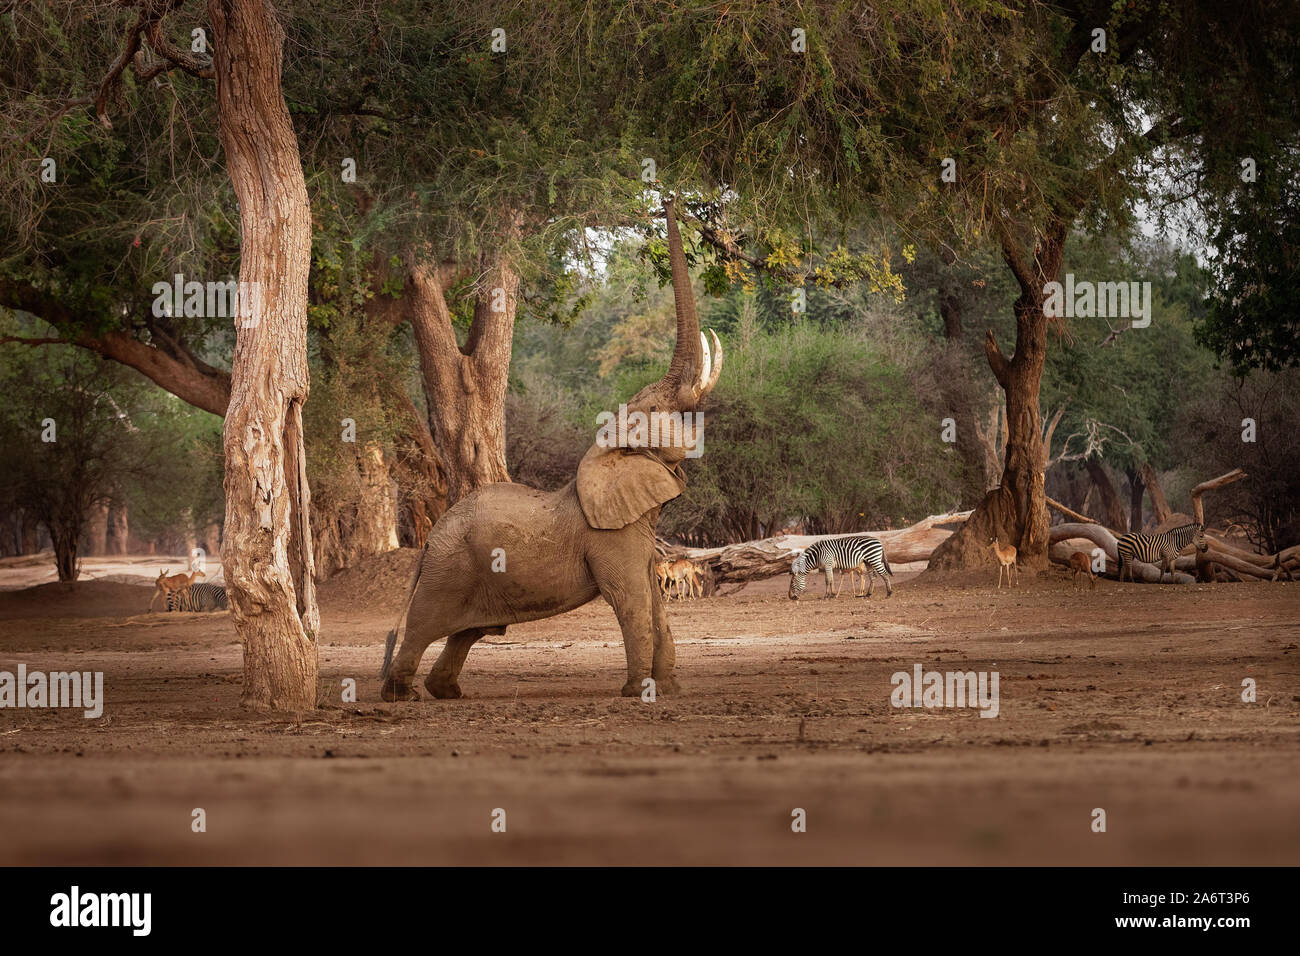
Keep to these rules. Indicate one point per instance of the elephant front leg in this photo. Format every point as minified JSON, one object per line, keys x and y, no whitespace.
{"x":633,"y":607}
{"x":665,"y":652}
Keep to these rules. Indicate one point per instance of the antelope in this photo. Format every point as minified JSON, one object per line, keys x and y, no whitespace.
{"x":1079,"y":563}
{"x":166,"y":585}
{"x":1006,"y":561}
{"x":696,"y":580}
{"x":663,"y":576}
{"x":683,"y":574}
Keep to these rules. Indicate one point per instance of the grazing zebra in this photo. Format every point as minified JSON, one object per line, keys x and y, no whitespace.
{"x":200,"y":597}
{"x":860,"y":555}
{"x":1159,"y":549}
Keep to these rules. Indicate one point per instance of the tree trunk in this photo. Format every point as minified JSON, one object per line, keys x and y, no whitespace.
{"x":421,"y":480}
{"x":65,"y":538}
{"x":466,"y":385}
{"x":267,"y":549}
{"x":950,"y":312}
{"x":212,"y":540}
{"x":97,"y":530}
{"x":1016,"y":511}
{"x":1157,"y":494}
{"x":31,"y":534}
{"x":1112,"y":509}
{"x":362,"y":522}
{"x":1136,"y":489}
{"x":119,"y":529}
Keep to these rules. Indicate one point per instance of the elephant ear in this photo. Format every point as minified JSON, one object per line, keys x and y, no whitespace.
{"x":616,"y":486}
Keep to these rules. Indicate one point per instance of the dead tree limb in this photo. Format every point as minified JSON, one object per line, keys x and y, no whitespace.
{"x":1069,"y":512}
{"x":1198,"y":508}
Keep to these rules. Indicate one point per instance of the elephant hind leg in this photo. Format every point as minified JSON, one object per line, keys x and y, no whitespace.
{"x":415,"y":642}
{"x":443,"y":676}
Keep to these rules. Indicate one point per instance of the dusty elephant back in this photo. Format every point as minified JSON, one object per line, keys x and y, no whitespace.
{"x":505,"y":553}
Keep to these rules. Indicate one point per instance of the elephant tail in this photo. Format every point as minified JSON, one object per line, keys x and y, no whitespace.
{"x":390,"y":643}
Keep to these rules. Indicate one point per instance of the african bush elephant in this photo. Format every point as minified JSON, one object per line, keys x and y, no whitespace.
{"x":508,"y":553}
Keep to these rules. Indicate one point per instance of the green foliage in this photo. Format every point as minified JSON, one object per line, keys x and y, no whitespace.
{"x":1127,"y":393}
{"x":115,"y":439}
{"x":1256,"y":295}
{"x":811,"y":425}
{"x":1267,"y":502}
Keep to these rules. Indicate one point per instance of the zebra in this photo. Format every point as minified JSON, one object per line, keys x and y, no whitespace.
{"x":858,"y":555}
{"x":201,"y":597}
{"x":1159,"y":549}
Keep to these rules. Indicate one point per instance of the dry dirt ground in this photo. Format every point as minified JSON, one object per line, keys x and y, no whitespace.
{"x":1127,"y":698}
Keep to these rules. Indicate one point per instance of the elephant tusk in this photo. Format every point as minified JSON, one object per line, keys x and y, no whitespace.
{"x":712,"y":364}
{"x":704,"y":366}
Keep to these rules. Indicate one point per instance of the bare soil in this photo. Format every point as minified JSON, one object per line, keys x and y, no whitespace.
{"x":1127,"y":698}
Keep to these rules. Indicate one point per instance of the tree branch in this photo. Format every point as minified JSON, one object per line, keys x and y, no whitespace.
{"x":997,"y":361}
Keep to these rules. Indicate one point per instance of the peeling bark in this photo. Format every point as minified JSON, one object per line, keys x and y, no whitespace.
{"x":267,"y":551}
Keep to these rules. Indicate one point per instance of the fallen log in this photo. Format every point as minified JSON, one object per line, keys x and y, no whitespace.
{"x":753,"y":560}
{"x":1225,"y":558}
{"x":1271,"y":566}
{"x":1102,"y":538}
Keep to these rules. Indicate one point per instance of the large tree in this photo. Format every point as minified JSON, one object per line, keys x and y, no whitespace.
{"x":267,"y":549}
{"x":1001,"y":124}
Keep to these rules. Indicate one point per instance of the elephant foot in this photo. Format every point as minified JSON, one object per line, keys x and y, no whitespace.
{"x":664,"y":687}
{"x":397,"y":690}
{"x":443,"y":689}
{"x":667,"y":686}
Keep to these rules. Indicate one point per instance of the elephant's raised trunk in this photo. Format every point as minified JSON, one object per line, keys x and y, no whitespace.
{"x":694,"y":368}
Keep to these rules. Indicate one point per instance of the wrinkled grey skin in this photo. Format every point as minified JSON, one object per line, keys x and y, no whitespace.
{"x":554,"y":562}
{"x":508,"y":553}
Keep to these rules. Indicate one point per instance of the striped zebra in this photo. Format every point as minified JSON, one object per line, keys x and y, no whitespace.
{"x":1159,"y":549}
{"x":200,"y":597}
{"x":859,"y":555}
